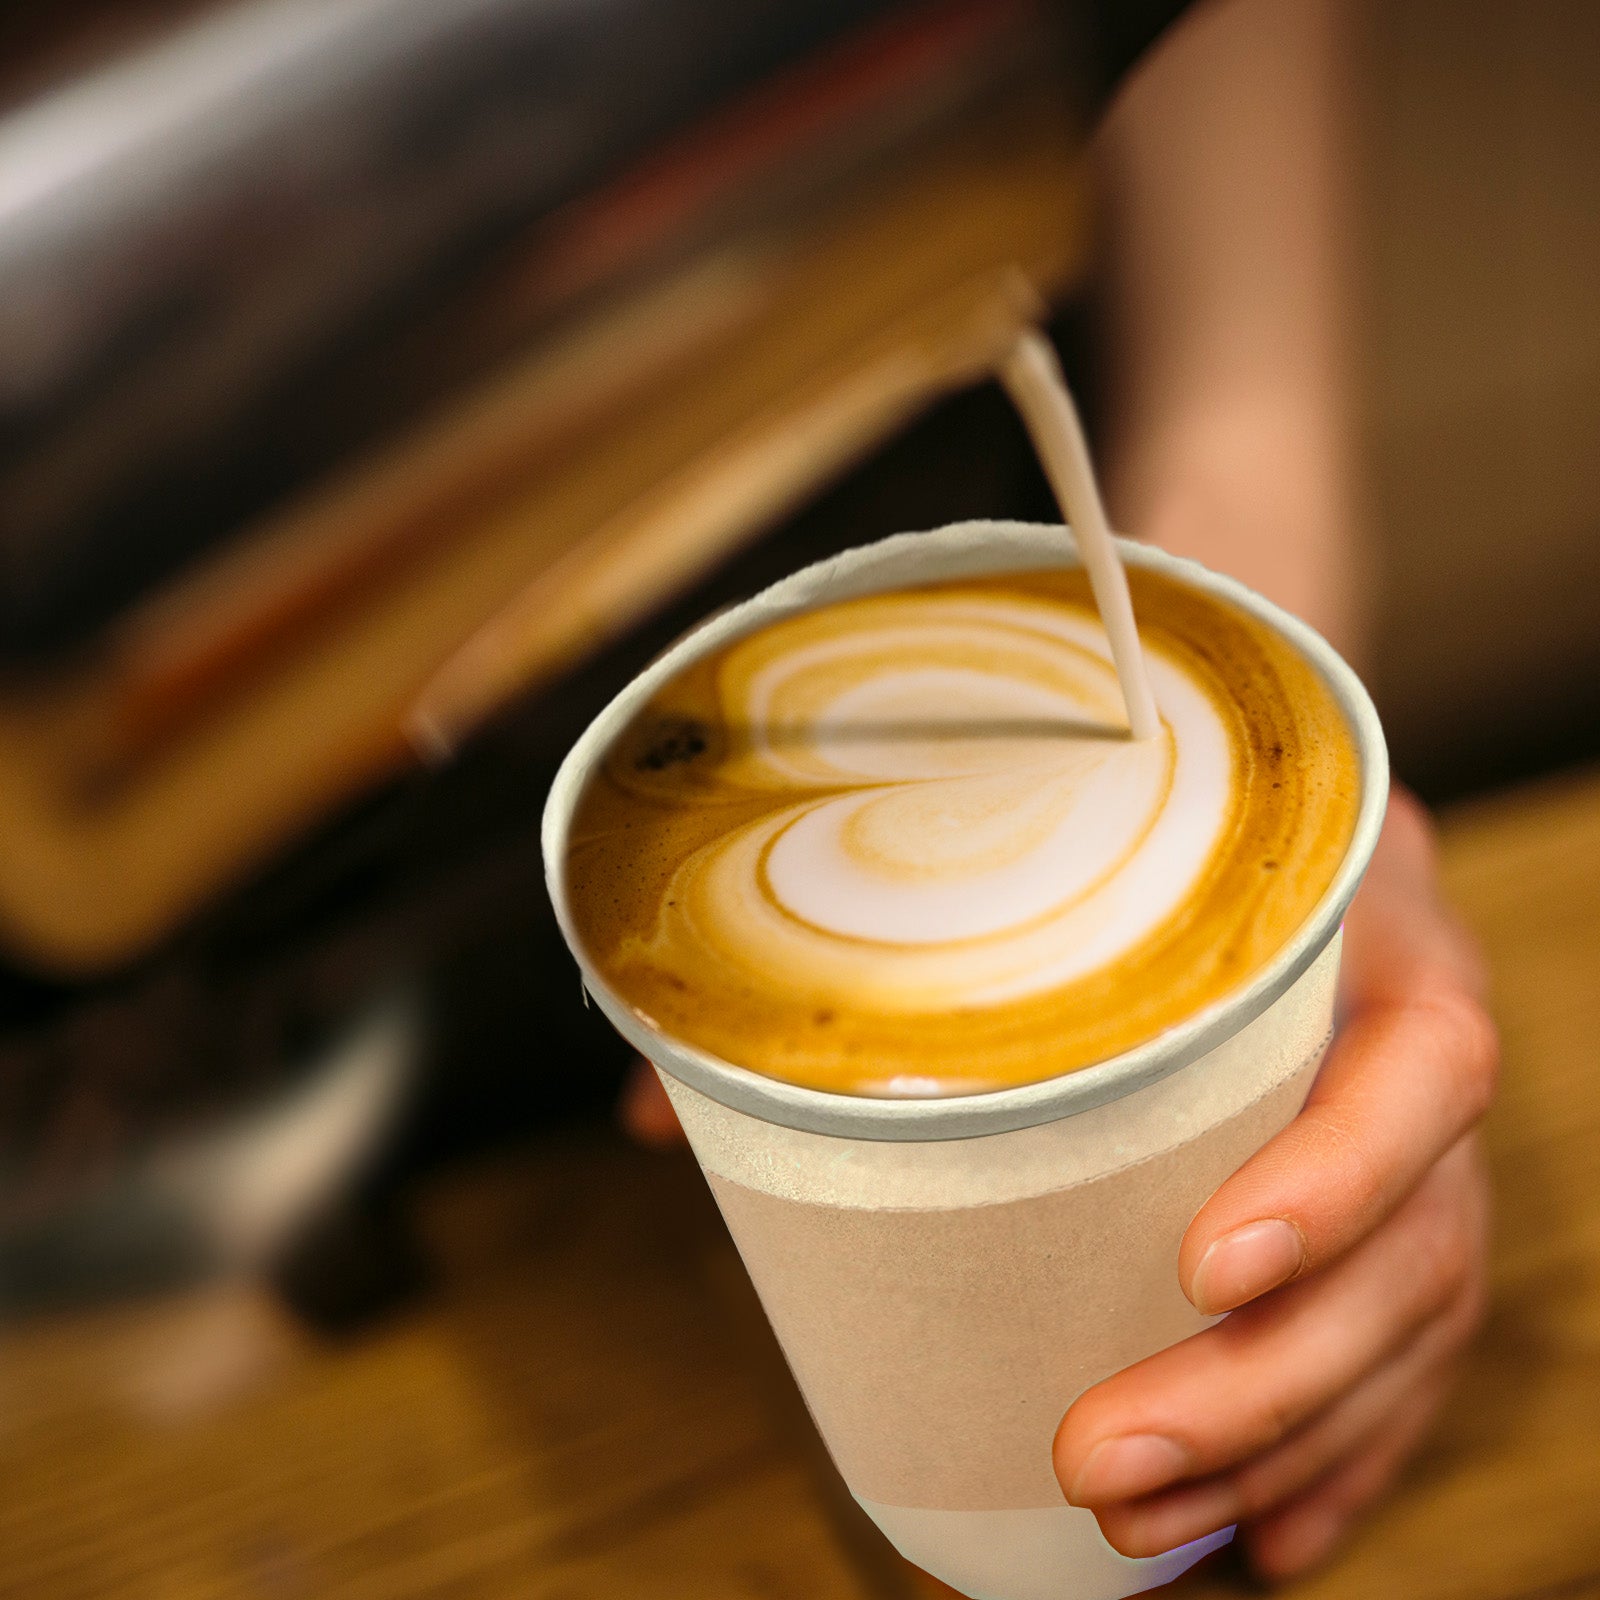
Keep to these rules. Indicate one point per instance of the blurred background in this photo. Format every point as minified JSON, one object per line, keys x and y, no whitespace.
{"x":381,"y":385}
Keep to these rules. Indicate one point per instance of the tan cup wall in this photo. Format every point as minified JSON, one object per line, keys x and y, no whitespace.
{"x":943,"y":1302}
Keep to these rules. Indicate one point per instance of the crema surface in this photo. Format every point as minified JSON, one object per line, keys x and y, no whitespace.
{"x":903,"y":845}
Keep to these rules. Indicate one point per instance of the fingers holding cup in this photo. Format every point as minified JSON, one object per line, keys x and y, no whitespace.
{"x":1257,"y":1406}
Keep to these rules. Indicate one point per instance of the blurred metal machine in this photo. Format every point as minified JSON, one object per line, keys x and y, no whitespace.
{"x":377,"y":372}
{"x":367,"y":364}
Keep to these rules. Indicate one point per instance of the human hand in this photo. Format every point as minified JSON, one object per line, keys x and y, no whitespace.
{"x":1354,"y":1246}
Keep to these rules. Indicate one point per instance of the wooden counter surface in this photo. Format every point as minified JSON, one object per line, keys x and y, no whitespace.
{"x":589,"y":1406}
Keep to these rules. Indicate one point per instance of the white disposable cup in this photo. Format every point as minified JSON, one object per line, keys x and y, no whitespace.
{"x":947,"y":1275}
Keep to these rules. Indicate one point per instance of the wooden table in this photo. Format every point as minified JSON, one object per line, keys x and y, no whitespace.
{"x":590,"y":1408}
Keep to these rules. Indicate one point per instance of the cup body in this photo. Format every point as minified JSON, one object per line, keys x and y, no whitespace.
{"x":947,"y":1275}
{"x":942,"y":1303}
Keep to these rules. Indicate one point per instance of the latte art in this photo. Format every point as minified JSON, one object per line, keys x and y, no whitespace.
{"x":980,"y":820}
{"x":905,"y":844}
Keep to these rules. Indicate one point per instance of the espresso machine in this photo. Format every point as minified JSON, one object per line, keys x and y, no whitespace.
{"x":384,"y":382}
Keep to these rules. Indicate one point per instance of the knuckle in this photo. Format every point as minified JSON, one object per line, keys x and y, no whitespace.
{"x":1256,"y":1489}
{"x":1466,"y":1322}
{"x":1275,"y":1419}
{"x":1335,"y":1137}
{"x":1470,"y":1048}
{"x":1446,"y":1258}
{"x":1471,"y":1308}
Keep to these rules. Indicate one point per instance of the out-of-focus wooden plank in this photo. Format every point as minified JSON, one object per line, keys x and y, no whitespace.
{"x":570,"y":1420}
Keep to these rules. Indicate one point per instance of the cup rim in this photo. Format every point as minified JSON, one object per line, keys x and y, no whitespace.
{"x":969,"y":549}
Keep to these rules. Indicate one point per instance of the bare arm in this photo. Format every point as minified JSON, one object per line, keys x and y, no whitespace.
{"x":1229,"y":296}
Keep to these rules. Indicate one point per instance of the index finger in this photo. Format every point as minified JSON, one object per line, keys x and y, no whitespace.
{"x":1401,"y":1085}
{"x":1412,"y":1069}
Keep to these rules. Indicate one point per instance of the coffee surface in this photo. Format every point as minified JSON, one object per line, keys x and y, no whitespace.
{"x":903,"y":845}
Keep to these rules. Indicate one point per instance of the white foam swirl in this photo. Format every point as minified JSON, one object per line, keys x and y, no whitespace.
{"x":987,"y":829}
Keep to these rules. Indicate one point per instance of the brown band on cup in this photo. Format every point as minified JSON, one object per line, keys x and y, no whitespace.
{"x":939,"y":1339}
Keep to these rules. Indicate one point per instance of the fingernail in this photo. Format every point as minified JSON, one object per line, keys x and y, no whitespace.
{"x":1246,"y":1263}
{"x":1126,"y":1467}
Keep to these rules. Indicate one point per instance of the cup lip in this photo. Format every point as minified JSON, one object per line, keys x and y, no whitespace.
{"x":972,"y":549}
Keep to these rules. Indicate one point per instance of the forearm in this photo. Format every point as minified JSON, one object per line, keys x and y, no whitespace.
{"x":1228,"y":295}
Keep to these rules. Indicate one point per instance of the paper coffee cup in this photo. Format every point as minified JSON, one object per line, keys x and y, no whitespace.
{"x":947,"y":1275}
